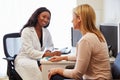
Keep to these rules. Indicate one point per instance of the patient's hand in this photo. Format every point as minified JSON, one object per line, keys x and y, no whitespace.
{"x":56,"y":58}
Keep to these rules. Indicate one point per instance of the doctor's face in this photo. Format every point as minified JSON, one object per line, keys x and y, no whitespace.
{"x":44,"y":18}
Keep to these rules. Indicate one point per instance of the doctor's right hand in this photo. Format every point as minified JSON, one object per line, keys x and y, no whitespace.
{"x":56,"y":53}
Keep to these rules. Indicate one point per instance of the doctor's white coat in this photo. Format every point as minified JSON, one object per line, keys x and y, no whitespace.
{"x":31,"y":50}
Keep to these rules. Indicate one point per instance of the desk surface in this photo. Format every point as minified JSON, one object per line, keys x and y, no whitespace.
{"x":73,"y":51}
{"x":45,"y":61}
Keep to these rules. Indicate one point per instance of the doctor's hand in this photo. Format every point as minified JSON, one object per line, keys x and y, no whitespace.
{"x":56,"y":53}
{"x":50,"y":54}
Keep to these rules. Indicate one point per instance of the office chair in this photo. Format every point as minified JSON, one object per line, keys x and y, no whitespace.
{"x":11,"y":45}
{"x":116,"y":68}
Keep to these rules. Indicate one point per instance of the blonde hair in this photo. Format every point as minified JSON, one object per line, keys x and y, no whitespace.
{"x":88,"y":19}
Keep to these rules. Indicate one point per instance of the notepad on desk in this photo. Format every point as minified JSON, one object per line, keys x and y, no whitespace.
{"x":65,"y":50}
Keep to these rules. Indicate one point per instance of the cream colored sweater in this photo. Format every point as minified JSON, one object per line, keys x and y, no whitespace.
{"x":92,"y":59}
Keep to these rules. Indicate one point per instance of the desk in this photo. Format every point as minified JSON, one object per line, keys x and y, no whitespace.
{"x":47,"y":65}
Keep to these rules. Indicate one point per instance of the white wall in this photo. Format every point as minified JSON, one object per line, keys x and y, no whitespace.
{"x":97,"y":6}
{"x":111,"y":11}
{"x":107,"y":11}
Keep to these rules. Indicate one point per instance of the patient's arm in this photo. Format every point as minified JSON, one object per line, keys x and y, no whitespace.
{"x":58,"y":58}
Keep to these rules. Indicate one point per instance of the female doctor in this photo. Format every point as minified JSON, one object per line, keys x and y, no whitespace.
{"x":36,"y":44}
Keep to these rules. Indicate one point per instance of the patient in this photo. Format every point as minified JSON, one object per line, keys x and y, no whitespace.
{"x":92,"y":59}
{"x":36,"y":44}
